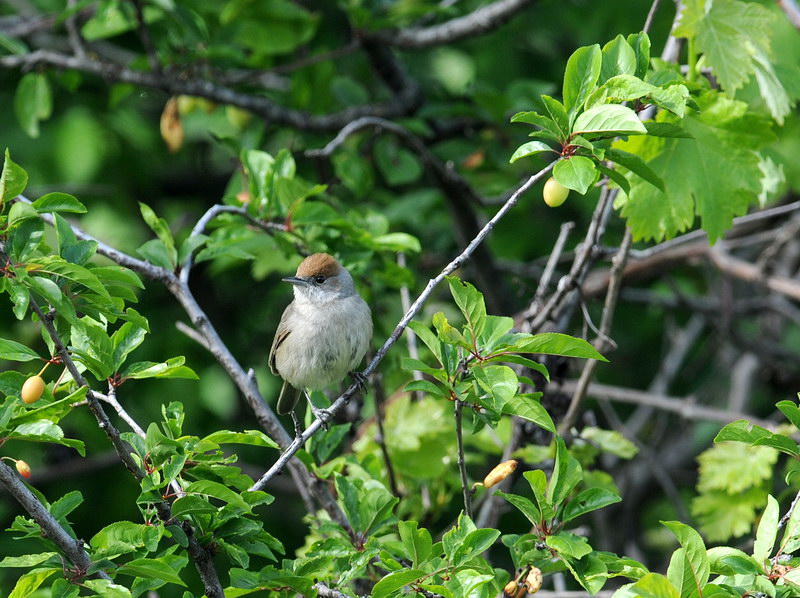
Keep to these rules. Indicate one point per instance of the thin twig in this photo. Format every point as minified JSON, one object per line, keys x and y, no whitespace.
{"x":462,"y":464}
{"x":648,"y":22}
{"x":144,"y":36}
{"x":609,"y":308}
{"x":380,"y":400}
{"x":344,"y":398}
{"x":552,"y":262}
{"x":73,"y":33}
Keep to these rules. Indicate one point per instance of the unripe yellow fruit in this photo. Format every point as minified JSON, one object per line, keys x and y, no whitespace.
{"x":238,"y":117}
{"x":514,"y":589}
{"x":554,"y":193}
{"x":32,"y":389}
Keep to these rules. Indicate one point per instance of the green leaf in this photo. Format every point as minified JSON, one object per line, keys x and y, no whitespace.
{"x":569,"y":545}
{"x":767,"y":531}
{"x":734,"y":466}
{"x":396,"y":580}
{"x":554,"y":343}
{"x":192,"y":505}
{"x":652,"y":585}
{"x":33,"y":102}
{"x":107,"y":589}
{"x":160,"y":227}
{"x":56,"y":265}
{"x":499,"y":381}
{"x":545,"y":123}
{"x":124,"y":537}
{"x":526,"y":507}
{"x":30,"y":581}
{"x":576,"y":173}
{"x":470,"y":302}
{"x":618,"y":59}
{"x":725,"y":560}
{"x":720,"y":173}
{"x":27,"y":560}
{"x":530,"y":148}
{"x":689,"y":567}
{"x":20,"y":212}
{"x":218,"y":491}
{"x":581,"y":75}
{"x":528,"y":407}
{"x":172,"y":368}
{"x":608,"y":120}
{"x":728,"y":33}
{"x":45,"y":431}
{"x":722,"y":515}
{"x":615,"y":176}
{"x":640,"y":42}
{"x":58,"y":202}
{"x":13,"y":180}
{"x":397,"y":165}
{"x":150,"y":569}
{"x":125,"y":339}
{"x":666,"y":130}
{"x":791,"y":411}
{"x":636,"y":165}
{"x":610,"y":441}
{"x":14,"y":351}
{"x":589,"y":500}
{"x":538,"y":483}
{"x":417,"y":542}
{"x":397,"y":242}
{"x":251,"y":437}
{"x":567,"y":474}
{"x":558,"y":113}
{"x":475,"y":543}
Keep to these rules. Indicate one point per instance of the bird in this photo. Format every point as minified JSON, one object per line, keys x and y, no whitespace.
{"x":323,"y":333}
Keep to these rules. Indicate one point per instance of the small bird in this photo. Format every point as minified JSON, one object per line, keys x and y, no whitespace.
{"x":323,"y":334}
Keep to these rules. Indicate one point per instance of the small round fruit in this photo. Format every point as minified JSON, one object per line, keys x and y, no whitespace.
{"x":514,"y":589}
{"x":237,"y":116}
{"x":187,"y":104}
{"x":23,"y":468}
{"x":554,"y":193}
{"x":32,"y":389}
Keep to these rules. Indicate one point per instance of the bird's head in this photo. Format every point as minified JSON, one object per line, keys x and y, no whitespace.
{"x":320,"y":278}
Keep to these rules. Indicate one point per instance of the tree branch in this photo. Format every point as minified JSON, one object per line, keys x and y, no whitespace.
{"x":401,"y":104}
{"x":51,"y":529}
{"x":478,"y":22}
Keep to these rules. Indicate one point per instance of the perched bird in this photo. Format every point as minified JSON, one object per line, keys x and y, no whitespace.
{"x":323,"y":334}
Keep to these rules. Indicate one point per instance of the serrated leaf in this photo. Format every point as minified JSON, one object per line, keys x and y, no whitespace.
{"x":26,"y":560}
{"x":722,"y":516}
{"x":720,"y":173}
{"x":568,"y":545}
{"x":250,"y":437}
{"x":619,"y":58}
{"x":416,"y":541}
{"x":652,"y":585}
{"x":734,"y":467}
{"x":727,"y":32}
{"x":29,"y":582}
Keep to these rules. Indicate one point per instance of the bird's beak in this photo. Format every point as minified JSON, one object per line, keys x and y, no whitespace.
{"x":296,"y":280}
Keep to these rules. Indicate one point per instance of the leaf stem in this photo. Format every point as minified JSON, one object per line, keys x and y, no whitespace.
{"x":462,"y":466}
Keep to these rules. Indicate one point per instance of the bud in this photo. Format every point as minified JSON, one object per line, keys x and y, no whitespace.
{"x":23,"y":468}
{"x":171,"y":126}
{"x":534,"y":580}
{"x":32,"y":389}
{"x":499,"y":473}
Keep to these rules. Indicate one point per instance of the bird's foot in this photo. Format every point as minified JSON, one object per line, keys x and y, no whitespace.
{"x":323,"y":415}
{"x":360,"y":379}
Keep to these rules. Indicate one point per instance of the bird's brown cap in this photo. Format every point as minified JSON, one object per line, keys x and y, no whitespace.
{"x":318,"y":263}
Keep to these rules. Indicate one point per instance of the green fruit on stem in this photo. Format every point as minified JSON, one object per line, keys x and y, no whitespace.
{"x":554,"y":193}
{"x":32,"y":389}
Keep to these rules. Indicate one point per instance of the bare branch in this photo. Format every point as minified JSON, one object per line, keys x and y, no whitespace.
{"x":792,"y":10}
{"x":751,"y":273}
{"x":400,"y":104}
{"x":51,"y":529}
{"x":482,"y":20}
{"x":462,"y":464}
{"x":686,"y":407}
{"x":609,"y":308}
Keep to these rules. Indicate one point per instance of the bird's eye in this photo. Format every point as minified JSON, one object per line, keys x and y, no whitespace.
{"x":320,"y":279}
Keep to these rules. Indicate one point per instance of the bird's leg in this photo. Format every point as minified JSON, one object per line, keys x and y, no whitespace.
{"x":298,"y":430}
{"x":321,"y":414}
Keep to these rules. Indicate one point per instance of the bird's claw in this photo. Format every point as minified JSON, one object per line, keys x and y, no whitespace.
{"x":323,"y":415}
{"x":360,"y":379}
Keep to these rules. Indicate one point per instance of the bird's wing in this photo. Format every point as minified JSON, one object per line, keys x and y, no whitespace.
{"x":280,"y":335}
